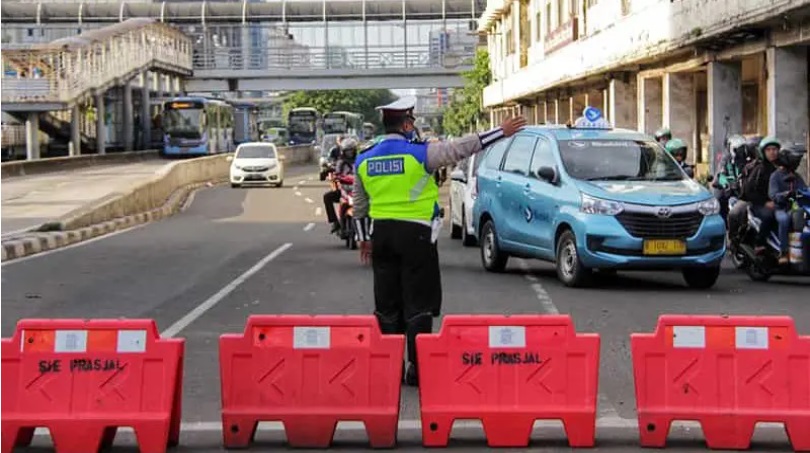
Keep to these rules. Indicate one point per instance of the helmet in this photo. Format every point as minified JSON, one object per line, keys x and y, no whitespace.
{"x":752,"y":143}
{"x":791,"y":156}
{"x":348,"y":143}
{"x":676,"y":146}
{"x":768,"y":141}
{"x":737,"y":146}
{"x":664,"y":132}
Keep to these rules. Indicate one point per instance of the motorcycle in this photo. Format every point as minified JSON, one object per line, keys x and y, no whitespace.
{"x":345,"y":211}
{"x":763,"y":266}
{"x":730,"y":189}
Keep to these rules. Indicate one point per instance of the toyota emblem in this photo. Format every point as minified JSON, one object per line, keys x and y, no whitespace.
{"x":664,"y":212}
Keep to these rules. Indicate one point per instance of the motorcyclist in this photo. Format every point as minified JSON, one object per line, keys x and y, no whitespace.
{"x":334,"y":152}
{"x":784,"y":183}
{"x":726,"y":183}
{"x":677,"y":148}
{"x":663,"y":135}
{"x":755,"y":181}
{"x":343,"y":166}
{"x":348,"y":153}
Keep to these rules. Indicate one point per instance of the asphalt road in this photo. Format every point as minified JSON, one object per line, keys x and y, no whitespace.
{"x":279,"y":237}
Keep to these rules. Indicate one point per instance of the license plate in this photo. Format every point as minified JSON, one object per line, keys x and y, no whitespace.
{"x":664,"y":247}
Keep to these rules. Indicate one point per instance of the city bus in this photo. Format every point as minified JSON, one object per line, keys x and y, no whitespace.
{"x":246,"y":122}
{"x":347,"y":123}
{"x":302,"y":125}
{"x":196,"y":126}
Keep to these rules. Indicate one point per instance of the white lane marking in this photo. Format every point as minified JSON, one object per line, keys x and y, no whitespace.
{"x":542,"y":295}
{"x":78,"y":244}
{"x":605,"y":406}
{"x":308,"y":200}
{"x":630,"y":424}
{"x":318,"y":211}
{"x":209,"y":303}
{"x":309,"y":226}
{"x":302,"y":182}
{"x":295,"y":188}
{"x":310,"y":178}
{"x":298,"y":194}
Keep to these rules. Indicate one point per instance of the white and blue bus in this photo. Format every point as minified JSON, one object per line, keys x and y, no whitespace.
{"x":197,"y":126}
{"x":347,"y":123}
{"x":302,"y":125}
{"x":246,"y":122}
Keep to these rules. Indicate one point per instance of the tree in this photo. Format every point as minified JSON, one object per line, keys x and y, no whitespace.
{"x":464,"y":110}
{"x":325,"y":101}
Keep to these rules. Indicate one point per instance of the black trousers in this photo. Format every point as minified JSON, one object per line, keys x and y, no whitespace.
{"x":329,"y":200}
{"x":407,"y":280}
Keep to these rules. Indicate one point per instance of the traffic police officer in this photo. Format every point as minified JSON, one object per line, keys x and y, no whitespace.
{"x":395,"y":189}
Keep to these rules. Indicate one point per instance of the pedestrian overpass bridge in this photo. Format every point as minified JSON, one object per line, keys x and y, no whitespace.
{"x":246,"y":46}
{"x":58,"y":57}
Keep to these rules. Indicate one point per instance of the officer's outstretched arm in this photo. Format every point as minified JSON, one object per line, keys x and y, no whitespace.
{"x":362,"y":222}
{"x":440,"y":154}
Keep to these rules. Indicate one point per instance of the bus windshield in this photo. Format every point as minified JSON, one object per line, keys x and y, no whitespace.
{"x":334,"y":124}
{"x":183,"y":123}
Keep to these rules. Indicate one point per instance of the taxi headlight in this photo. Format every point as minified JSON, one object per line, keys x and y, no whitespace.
{"x":592,"y":205}
{"x":709,"y":207}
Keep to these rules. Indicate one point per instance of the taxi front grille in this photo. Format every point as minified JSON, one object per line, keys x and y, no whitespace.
{"x":650,"y":226}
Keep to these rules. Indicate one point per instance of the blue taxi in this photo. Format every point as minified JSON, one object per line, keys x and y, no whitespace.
{"x":590,"y":197}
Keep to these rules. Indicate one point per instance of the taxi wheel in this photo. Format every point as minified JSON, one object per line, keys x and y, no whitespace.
{"x":570,"y":269}
{"x":493,"y":259}
{"x":701,"y":277}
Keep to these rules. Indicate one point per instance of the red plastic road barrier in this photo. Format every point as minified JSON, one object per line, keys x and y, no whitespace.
{"x":82,"y":379}
{"x":728,"y":373}
{"x":310,"y":372}
{"x":508,"y":371}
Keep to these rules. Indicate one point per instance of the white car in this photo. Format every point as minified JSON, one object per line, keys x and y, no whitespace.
{"x":462,"y":198}
{"x":256,"y":163}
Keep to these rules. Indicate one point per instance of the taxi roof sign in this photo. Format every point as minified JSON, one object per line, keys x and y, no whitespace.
{"x":592,"y":119}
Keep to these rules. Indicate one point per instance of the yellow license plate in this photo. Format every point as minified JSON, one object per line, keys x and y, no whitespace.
{"x":664,"y":247}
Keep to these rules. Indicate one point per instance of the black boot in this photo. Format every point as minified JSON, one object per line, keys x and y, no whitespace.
{"x":421,"y":323}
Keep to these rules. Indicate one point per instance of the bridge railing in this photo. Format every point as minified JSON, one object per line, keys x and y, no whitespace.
{"x":65,"y":69}
{"x":280,"y":58}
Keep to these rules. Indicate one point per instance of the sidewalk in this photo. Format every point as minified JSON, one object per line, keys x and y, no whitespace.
{"x":30,"y":201}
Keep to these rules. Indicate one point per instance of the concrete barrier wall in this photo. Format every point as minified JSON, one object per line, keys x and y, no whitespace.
{"x":54,"y":164}
{"x":299,"y":154}
{"x":152,"y":194}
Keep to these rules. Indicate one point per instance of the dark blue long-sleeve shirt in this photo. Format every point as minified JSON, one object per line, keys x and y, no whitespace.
{"x":781,"y":184}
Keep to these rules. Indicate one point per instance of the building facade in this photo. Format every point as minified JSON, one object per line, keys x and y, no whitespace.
{"x":706,"y":69}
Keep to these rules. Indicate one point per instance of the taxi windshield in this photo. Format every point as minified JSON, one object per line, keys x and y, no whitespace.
{"x":618,"y":160}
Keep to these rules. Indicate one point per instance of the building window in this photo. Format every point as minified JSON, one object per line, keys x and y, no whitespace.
{"x":592,"y":3}
{"x":538,"y":20}
{"x":549,"y":16}
{"x":561,"y":4}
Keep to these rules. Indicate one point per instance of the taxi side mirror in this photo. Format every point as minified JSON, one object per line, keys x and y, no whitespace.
{"x":458,"y":175}
{"x":547,"y":174}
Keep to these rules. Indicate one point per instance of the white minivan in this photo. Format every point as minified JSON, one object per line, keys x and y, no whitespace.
{"x":462,"y":199}
{"x":256,"y":163}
